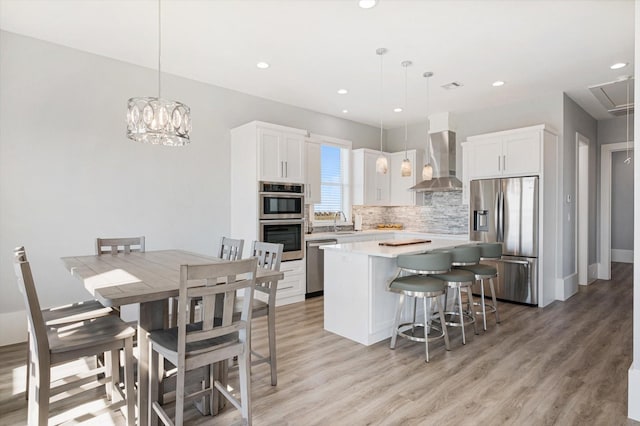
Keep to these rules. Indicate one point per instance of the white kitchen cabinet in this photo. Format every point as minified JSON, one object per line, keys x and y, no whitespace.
{"x":281,"y":152}
{"x":508,"y":153}
{"x":292,"y":287}
{"x":399,"y":193}
{"x":369,"y":187}
{"x":312,"y":182}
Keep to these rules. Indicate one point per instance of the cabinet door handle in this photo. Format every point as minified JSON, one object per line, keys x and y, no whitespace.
{"x":499,"y":163}
{"x":504,"y":163}
{"x":282,"y":169}
{"x":286,"y":169}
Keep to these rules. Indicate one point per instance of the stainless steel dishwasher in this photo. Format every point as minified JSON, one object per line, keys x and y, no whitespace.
{"x":315,"y":267}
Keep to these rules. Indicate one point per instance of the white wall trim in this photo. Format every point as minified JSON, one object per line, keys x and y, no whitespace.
{"x":581,"y":208}
{"x":592,"y":273}
{"x":569,"y":286}
{"x":13,"y":327}
{"x":624,"y":256}
{"x":604,"y":271}
{"x":634,"y":393}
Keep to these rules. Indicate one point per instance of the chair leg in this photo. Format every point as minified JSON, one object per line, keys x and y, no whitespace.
{"x":154,"y":378}
{"x":179,"y":419}
{"x":129,"y":382}
{"x":426,"y":329}
{"x":396,"y":322}
{"x":108,"y":374}
{"x":484,"y":309}
{"x":443,"y":323}
{"x":493,"y":299}
{"x":244,"y":364}
{"x":115,"y":374}
{"x":271,"y":329}
{"x":39,"y":389}
{"x":472,"y":310}
{"x":461,"y":313}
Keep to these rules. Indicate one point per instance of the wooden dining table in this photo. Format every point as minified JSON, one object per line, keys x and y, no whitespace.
{"x":148,"y":278}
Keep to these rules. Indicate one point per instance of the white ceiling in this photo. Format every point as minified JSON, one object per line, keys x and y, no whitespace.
{"x":318,"y":46}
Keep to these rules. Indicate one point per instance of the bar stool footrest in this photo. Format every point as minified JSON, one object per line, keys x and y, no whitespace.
{"x":419,"y":326}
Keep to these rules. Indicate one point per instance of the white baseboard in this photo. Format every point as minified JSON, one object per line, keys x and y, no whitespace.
{"x":13,"y":327}
{"x":624,"y":256}
{"x":634,"y":393}
{"x":568,"y":286}
{"x":603,"y":272}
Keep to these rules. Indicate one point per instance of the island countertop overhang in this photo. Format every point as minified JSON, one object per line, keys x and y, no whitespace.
{"x":373,"y":248}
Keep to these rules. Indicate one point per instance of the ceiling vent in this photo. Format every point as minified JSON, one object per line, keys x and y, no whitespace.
{"x":452,"y":85}
{"x":613,"y":95}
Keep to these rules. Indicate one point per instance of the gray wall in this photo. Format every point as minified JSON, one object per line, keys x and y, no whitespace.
{"x":68,"y":174}
{"x":577,"y":120}
{"x":621,"y":201}
{"x":610,"y":131}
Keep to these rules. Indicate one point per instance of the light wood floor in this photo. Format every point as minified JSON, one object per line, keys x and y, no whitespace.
{"x":564,"y":364}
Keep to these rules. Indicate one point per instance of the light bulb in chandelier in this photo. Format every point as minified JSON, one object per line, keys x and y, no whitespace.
{"x":405,"y":168}
{"x":427,"y":172}
{"x":382,"y":165}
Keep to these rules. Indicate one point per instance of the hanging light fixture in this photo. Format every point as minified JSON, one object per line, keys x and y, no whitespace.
{"x":628,"y":159}
{"x":405,"y":168}
{"x":155,"y":120}
{"x":381,"y":163}
{"x":427,"y":170}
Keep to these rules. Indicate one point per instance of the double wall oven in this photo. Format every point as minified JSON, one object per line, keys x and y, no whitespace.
{"x":281,"y":217}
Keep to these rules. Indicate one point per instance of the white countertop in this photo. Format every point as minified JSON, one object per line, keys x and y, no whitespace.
{"x":383,"y":233}
{"x":373,"y":248}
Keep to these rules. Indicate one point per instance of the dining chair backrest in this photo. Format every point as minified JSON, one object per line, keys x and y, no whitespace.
{"x":211,"y":282}
{"x":230,"y":249}
{"x":27,"y":287}
{"x":269,"y":254}
{"x":124,"y":245}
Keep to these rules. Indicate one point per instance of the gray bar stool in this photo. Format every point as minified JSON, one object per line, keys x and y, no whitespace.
{"x":420,"y":284}
{"x":459,"y":279}
{"x":488,"y":251}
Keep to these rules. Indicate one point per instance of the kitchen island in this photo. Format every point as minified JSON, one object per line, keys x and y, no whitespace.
{"x":357,"y":304}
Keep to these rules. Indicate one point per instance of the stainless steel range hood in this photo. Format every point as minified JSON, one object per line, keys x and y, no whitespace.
{"x":442,"y":157}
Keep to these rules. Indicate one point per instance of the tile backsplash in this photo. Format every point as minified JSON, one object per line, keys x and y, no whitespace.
{"x":442,"y":213}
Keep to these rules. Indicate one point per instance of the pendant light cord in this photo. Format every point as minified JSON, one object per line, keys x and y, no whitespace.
{"x":428,"y":138}
{"x":405,"y":110}
{"x":159,"y":46}
{"x":381,"y":102}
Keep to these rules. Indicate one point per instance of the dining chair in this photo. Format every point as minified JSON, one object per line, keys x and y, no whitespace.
{"x":124,"y":245}
{"x":49,"y":346}
{"x":269,"y":257}
{"x":229,"y":249}
{"x":218,"y":337}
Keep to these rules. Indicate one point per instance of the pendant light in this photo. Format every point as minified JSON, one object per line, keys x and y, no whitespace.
{"x":628,"y":159}
{"x":155,"y":120}
{"x":427,"y":171}
{"x":405,"y":168}
{"x":381,"y":163}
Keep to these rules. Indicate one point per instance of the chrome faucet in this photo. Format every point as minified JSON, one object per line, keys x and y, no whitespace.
{"x":335,"y":219}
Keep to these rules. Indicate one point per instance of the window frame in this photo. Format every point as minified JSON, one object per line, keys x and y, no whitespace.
{"x":345,"y":157}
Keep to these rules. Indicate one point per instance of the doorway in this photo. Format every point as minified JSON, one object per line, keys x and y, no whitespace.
{"x":582,"y":207}
{"x":604,"y":267}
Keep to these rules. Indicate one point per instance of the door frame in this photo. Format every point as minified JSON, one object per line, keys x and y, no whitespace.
{"x":607,"y":150}
{"x":582,"y":213}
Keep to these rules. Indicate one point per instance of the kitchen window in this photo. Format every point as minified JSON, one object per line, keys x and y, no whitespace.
{"x":334,"y":183}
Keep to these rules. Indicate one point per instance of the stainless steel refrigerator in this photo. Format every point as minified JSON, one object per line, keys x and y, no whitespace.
{"x":506,"y":211}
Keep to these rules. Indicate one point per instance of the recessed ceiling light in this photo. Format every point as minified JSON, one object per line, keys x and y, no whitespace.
{"x":342,"y":91}
{"x":345,"y":111}
{"x":262,"y":65}
{"x":397,"y":110}
{"x":498,"y":83}
{"x":367,"y":4}
{"x":619,"y":65}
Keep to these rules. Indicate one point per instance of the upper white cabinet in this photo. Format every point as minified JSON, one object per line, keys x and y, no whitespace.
{"x":369,"y":188}
{"x":509,"y":153}
{"x":312,"y":184}
{"x":399,"y":193}
{"x":391,"y":189}
{"x":281,"y":153}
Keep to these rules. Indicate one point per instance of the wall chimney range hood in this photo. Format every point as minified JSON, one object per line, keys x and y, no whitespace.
{"x":442,"y":157}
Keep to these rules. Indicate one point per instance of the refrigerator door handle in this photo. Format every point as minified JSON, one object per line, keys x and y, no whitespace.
{"x":497,"y":216}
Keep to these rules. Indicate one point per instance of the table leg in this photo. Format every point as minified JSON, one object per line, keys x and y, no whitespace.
{"x":151,"y":318}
